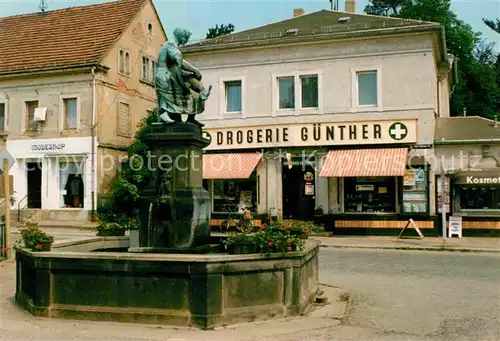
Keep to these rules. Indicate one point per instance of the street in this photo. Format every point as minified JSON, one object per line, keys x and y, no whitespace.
{"x":395,"y":295}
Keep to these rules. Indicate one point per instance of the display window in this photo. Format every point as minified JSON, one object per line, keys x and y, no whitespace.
{"x":234,"y":195}
{"x":370,"y":195}
{"x":479,"y":198}
{"x":71,"y":184}
{"x":415,"y":191}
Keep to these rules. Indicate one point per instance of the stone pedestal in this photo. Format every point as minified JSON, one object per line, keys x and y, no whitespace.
{"x":174,"y":207}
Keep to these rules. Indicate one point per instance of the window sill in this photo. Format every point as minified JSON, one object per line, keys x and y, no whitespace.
{"x":366,"y":108}
{"x":147,"y":82}
{"x":124,"y":135}
{"x":124,"y":74}
{"x":236,"y":114}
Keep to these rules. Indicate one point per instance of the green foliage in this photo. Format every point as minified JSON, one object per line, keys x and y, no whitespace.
{"x":494,"y":25}
{"x":133,"y":176}
{"x":478,"y":83}
{"x":32,"y":235}
{"x":218,"y":31}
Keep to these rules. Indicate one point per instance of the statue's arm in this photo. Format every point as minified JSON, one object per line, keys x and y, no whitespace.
{"x":188,"y":67}
{"x":178,"y":71}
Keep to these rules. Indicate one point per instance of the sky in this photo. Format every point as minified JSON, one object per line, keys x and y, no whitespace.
{"x":199,"y":15}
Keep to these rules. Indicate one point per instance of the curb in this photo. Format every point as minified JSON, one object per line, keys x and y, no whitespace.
{"x":414,"y":248}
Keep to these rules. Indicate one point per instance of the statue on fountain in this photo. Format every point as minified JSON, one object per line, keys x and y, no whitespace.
{"x":179,"y":89}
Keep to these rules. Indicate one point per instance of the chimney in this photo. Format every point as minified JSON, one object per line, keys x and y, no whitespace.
{"x":350,"y":6}
{"x":297,"y":12}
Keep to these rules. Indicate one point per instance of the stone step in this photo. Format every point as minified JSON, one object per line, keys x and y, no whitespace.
{"x":68,"y":224}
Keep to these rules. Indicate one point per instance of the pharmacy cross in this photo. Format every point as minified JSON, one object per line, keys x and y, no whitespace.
{"x":398,"y":131}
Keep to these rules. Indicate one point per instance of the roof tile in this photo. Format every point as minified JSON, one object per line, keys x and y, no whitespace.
{"x":69,"y":37}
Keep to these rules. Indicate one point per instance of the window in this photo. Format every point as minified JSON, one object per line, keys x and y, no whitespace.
{"x":70,"y":117}
{"x":367,"y":88}
{"x":479,"y":198}
{"x":30,"y":116}
{"x":309,"y":91}
{"x":150,"y":28}
{"x":145,"y":68}
{"x":235,"y":194}
{"x":370,"y":195}
{"x":153,"y":70}
{"x":127,"y":63}
{"x":71,"y":184}
{"x":415,"y":184}
{"x":123,"y":119}
{"x":121,"y":62}
{"x":233,"y":96}
{"x":286,"y":90}
{"x":2,"y":117}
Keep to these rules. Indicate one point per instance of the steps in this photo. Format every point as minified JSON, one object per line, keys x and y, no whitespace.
{"x":60,"y":219}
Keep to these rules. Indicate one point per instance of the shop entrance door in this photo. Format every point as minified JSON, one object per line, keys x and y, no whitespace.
{"x":34,"y":176}
{"x":298,"y":194}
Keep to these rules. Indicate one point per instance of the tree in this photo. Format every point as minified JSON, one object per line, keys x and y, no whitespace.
{"x":133,"y":174}
{"x":477,"y":87}
{"x":494,"y":25}
{"x":221,"y":30}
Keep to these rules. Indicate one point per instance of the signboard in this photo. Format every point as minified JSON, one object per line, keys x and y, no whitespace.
{"x":365,"y":188}
{"x":411,"y":224}
{"x":485,"y":178}
{"x":35,"y":147}
{"x":455,"y":227}
{"x":309,"y":189}
{"x":313,"y":134}
{"x":409,"y":177}
{"x":446,"y":194}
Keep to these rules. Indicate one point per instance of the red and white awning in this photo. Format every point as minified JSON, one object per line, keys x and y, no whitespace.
{"x":365,"y":162}
{"x":230,"y":166}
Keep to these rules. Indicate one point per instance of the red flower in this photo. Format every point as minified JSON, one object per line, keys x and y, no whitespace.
{"x":289,"y":240}
{"x":289,"y":248}
{"x":38,"y":246}
{"x":269,"y":243}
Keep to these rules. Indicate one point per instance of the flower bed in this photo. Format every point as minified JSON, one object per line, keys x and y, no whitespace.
{"x":281,"y":237}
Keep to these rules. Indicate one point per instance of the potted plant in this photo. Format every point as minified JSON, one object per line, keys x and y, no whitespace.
{"x":318,"y":211}
{"x":34,"y":238}
{"x":110,"y":229}
{"x":241,"y":243}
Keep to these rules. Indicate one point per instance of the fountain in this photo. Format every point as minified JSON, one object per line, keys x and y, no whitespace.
{"x":175,"y":275}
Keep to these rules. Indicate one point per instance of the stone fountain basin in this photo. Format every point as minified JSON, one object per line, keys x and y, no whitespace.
{"x":74,"y":281}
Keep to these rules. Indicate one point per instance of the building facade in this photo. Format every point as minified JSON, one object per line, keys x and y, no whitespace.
{"x":69,"y":117}
{"x":325,"y":113}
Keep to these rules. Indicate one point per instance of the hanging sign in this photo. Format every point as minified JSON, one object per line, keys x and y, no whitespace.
{"x":309,"y":189}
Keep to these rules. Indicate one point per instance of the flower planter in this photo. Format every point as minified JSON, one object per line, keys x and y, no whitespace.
{"x":111,"y":233}
{"x":241,"y":249}
{"x":43,"y":246}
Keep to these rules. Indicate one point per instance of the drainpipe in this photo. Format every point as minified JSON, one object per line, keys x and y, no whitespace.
{"x":92,"y":134}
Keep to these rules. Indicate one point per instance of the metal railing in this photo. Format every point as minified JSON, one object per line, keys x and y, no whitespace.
{"x":3,"y":239}
{"x":19,"y":209}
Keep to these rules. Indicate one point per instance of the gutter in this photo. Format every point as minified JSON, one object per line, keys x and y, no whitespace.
{"x":53,"y":71}
{"x":443,"y":142}
{"x":93,"y":144}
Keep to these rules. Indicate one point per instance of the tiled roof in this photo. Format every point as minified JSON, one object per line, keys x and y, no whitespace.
{"x":465,"y":129}
{"x":312,"y":24}
{"x":66,"y":38}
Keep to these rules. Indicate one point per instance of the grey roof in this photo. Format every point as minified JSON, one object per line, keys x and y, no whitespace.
{"x":312,"y":25}
{"x":468,"y":129}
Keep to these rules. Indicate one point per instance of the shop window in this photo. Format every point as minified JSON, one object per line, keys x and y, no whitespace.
{"x":479,"y":198}
{"x":233,"y":96}
{"x":415,"y":191}
{"x":367,"y":88}
{"x":70,"y":113}
{"x":370,"y":195}
{"x":71,"y":184}
{"x":286,"y":93}
{"x":2,"y":117}
{"x":235,"y":194}
{"x":309,"y":91}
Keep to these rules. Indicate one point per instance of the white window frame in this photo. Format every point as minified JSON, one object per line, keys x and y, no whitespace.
{"x":62,"y":113}
{"x":223,"y":113}
{"x":5,"y":102}
{"x":25,"y":111}
{"x":355,"y":107}
{"x":298,"y":109}
{"x":145,"y":78}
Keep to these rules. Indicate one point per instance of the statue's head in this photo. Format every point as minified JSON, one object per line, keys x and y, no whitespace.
{"x":181,"y":36}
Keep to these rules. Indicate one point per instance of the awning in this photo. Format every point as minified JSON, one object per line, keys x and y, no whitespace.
{"x":365,"y":162}
{"x":230,"y":166}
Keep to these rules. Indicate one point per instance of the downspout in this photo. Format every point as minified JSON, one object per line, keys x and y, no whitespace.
{"x":92,"y":134}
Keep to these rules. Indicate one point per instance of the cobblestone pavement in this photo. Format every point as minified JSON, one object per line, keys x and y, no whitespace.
{"x":395,"y":295}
